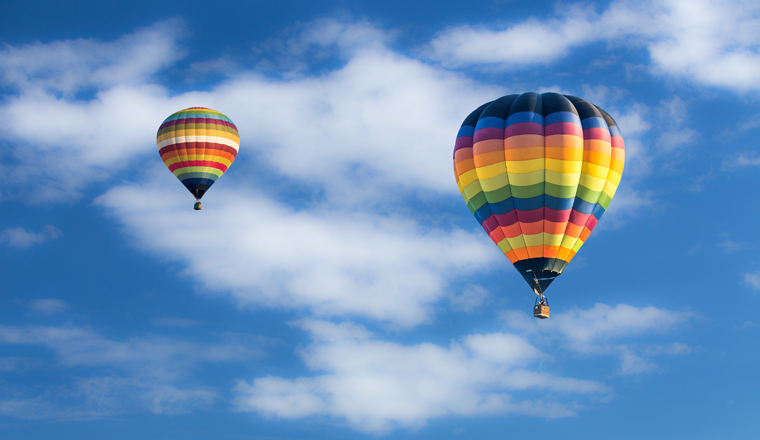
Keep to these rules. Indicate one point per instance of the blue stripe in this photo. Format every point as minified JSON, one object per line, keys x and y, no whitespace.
{"x":483,"y":213}
{"x":525,"y":117}
{"x":583,"y":206}
{"x":503,"y":207}
{"x":598,"y":211}
{"x":490,"y":122}
{"x":563,"y":117}
{"x":594,"y":122}
{"x":529,"y":204}
{"x":208,"y":182}
{"x":615,"y":131}
{"x":466,"y":130}
{"x":559,"y":203}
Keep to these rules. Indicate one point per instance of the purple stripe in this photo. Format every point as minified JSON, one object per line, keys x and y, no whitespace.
{"x":463,"y":142}
{"x":531,"y":216}
{"x":490,"y":223}
{"x":488,"y":133}
{"x":524,"y":128}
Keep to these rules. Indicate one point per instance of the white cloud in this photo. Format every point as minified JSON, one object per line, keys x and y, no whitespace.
{"x":20,"y":238}
{"x":753,"y":279}
{"x":70,"y":66}
{"x":48,"y":306}
{"x":598,"y":330}
{"x":377,"y":386}
{"x":334,"y":262}
{"x":380,"y":121}
{"x":709,"y":42}
{"x":136,"y":374}
{"x":471,"y":297}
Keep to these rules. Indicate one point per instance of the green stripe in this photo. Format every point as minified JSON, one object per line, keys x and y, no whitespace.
{"x":587,"y":195}
{"x":527,"y":192}
{"x":498,"y":195}
{"x":560,"y":191}
{"x":197,"y":176}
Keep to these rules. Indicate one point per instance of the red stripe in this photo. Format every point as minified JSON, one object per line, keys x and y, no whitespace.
{"x":564,"y":128}
{"x":207,"y":145}
{"x":597,"y":133}
{"x":198,"y":163}
{"x":197,"y":121}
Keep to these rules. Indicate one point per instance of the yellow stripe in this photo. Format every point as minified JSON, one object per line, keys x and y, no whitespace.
{"x":610,"y":189}
{"x":490,"y":171}
{"x":525,"y":166}
{"x":534,"y":240}
{"x":468,"y":177}
{"x":564,"y":166}
{"x":578,"y":245}
{"x":184,"y":170}
{"x":516,"y":242}
{"x":553,"y":239}
{"x":592,"y":183}
{"x":495,"y":183}
{"x":504,"y":246}
{"x":594,"y":170}
{"x":472,"y":190}
{"x":563,"y":179}
{"x":194,"y":132}
{"x":527,"y":178}
{"x":568,"y":242}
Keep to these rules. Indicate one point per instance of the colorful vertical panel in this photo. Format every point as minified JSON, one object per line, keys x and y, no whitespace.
{"x":538,"y":171}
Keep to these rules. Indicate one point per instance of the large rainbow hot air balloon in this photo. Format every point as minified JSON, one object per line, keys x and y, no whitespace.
{"x":198,"y":145}
{"x":538,"y":171}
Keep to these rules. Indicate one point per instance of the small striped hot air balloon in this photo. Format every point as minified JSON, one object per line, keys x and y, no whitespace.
{"x":198,"y":145}
{"x":538,"y":171}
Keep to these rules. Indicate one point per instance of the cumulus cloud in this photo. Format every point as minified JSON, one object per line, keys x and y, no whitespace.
{"x":334,"y":262}
{"x":599,"y":330}
{"x":709,"y":42}
{"x":136,"y":374}
{"x":372,"y":123}
{"x":20,"y":238}
{"x":377,"y":386}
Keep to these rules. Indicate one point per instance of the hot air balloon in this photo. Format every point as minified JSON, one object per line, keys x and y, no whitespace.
{"x":198,"y":145}
{"x":538,"y":171}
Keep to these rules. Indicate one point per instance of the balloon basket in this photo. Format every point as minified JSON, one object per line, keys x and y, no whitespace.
{"x":540,"y":311}
{"x":197,"y":206}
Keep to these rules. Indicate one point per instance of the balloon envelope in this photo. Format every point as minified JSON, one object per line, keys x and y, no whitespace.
{"x":538,"y":171}
{"x":198,"y":145}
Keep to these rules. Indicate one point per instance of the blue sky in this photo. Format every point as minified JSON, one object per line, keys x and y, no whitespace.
{"x":335,"y":284}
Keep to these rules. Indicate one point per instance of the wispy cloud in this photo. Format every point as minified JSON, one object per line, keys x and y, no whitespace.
{"x":708,"y":42}
{"x":20,"y":238}
{"x":377,"y":385}
{"x":48,"y":306}
{"x":601,"y":329}
{"x":753,"y":279}
{"x":110,"y":376}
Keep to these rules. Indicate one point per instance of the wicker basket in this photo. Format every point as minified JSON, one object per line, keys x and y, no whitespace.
{"x":541,"y":311}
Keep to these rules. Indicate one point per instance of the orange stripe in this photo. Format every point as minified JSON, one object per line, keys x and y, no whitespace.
{"x":526,"y":153}
{"x":573,"y":230}
{"x":596,"y":145}
{"x":563,"y":153}
{"x":536,"y":251}
{"x":532,"y":228}
{"x":489,"y":158}
{"x":522,"y":253}
{"x":597,"y":158}
{"x":523,"y":141}
{"x":551,"y":251}
{"x":585,"y":234}
{"x":554,"y":227}
{"x":563,"y":254}
{"x":464,"y":166}
{"x":512,"y":256}
{"x":564,"y":141}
